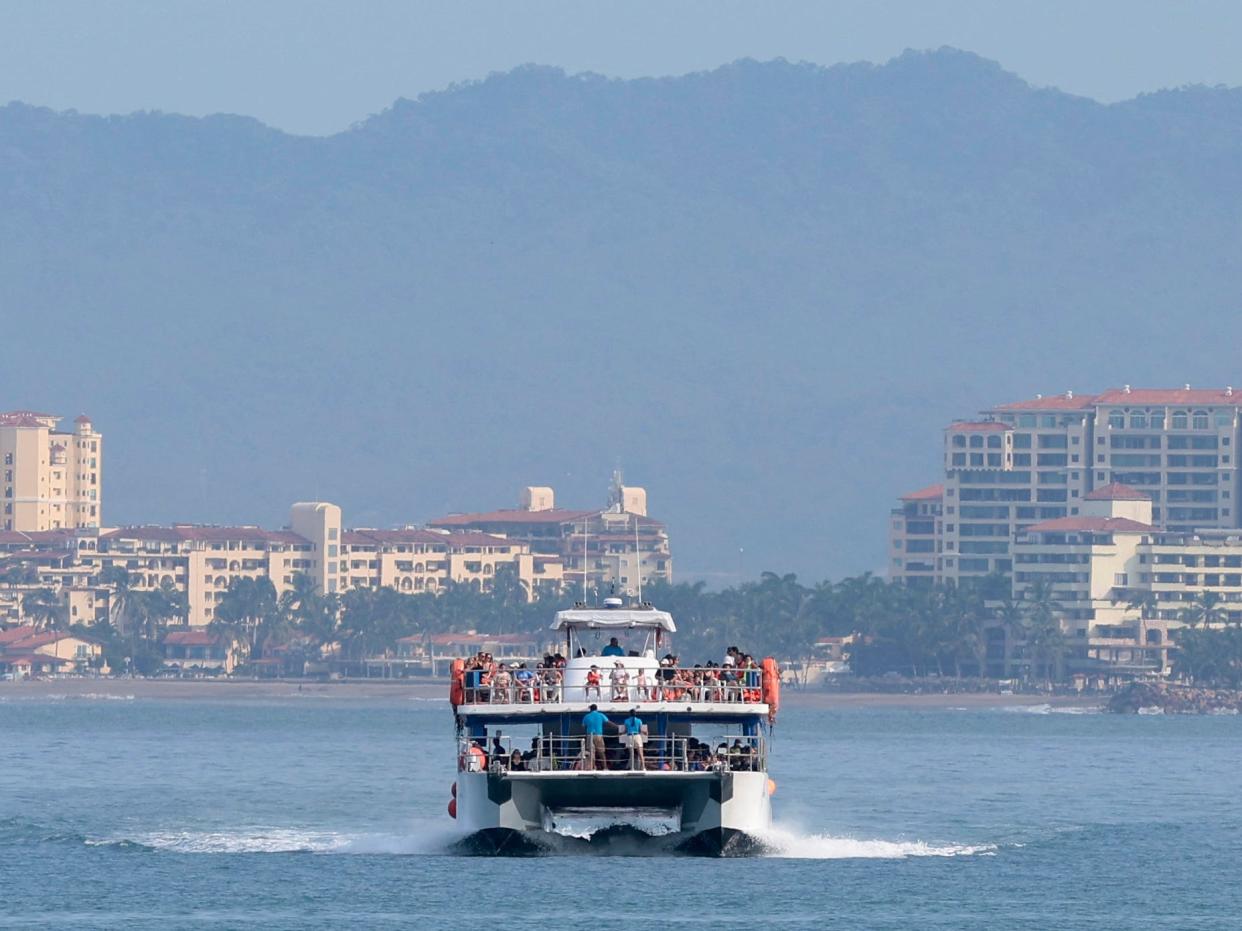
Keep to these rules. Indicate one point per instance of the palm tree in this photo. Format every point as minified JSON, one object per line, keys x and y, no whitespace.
{"x":313,"y":615}
{"x":44,"y":608}
{"x":240,"y":616}
{"x":117,"y":578}
{"x":1044,"y":638}
{"x":1205,"y":610}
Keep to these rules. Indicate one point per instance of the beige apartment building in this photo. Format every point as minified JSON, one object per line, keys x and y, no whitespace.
{"x":1036,"y":460}
{"x":49,"y":480}
{"x":619,"y":547}
{"x":1103,"y":564}
{"x":915,"y":537}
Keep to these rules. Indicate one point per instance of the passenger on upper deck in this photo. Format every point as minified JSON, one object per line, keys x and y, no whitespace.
{"x":613,"y":649}
{"x":593,"y":680}
{"x":620,"y":680}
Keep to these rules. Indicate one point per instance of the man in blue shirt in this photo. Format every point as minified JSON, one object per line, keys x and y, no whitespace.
{"x":613,"y":649}
{"x":634,"y":739}
{"x":593,"y":746}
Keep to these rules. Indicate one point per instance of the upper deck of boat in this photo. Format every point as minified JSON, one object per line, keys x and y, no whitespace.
{"x":532,"y":710}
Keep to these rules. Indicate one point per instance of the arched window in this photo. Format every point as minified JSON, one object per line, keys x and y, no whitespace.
{"x":976,"y":442}
{"x":418,"y":567}
{"x":1201,"y":420}
{"x":959,"y":440}
{"x":1179,"y":420}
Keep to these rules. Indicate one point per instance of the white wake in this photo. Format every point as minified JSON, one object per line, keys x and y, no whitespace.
{"x":790,"y":844}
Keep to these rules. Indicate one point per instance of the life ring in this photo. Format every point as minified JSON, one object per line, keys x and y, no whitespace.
{"x":457,"y":684}
{"x":454,"y":790}
{"x":771,"y":686}
{"x":452,"y":808}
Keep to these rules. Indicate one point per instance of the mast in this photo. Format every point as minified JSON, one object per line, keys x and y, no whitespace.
{"x":638,"y":560}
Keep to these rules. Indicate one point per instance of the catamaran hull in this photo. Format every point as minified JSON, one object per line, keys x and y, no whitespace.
{"x":514,"y":814}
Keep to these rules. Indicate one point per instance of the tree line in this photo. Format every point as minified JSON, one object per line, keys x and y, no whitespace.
{"x":941,"y":630}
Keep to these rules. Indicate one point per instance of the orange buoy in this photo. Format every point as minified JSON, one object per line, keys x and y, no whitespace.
{"x":457,"y":685}
{"x":771,"y":787}
{"x":454,"y":790}
{"x":452,"y":808}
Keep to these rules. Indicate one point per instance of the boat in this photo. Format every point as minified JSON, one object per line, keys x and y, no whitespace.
{"x":695,"y":781}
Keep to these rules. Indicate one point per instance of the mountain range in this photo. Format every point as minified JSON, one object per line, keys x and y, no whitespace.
{"x":762,"y":290}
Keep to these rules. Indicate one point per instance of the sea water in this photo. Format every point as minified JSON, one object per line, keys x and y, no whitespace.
{"x":314,"y":812}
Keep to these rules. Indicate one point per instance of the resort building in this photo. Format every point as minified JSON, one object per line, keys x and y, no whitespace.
{"x":915,"y":537}
{"x":49,"y":480}
{"x":1036,"y":460}
{"x":619,"y":547}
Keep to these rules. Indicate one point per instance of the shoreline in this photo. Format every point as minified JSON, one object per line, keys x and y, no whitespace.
{"x":406,"y":690}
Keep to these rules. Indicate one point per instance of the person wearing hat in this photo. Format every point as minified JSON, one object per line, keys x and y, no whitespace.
{"x":634,"y":733}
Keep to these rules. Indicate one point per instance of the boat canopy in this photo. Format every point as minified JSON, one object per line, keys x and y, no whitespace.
{"x":614,"y":619}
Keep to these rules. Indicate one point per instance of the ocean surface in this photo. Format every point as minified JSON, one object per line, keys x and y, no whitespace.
{"x":313,"y":812}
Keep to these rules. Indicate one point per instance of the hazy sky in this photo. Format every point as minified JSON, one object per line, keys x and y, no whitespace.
{"x":315,"y":67}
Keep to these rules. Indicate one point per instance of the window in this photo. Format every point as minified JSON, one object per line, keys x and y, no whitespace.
{"x":1138,"y":421}
{"x":994,"y":459}
{"x":976,"y":459}
{"x":976,"y":442}
{"x":1119,"y":578}
{"x":959,"y":459}
{"x":1116,"y":420}
{"x":959,"y":440}
{"x":1200,"y":420}
{"x":1021,"y":441}
{"x":1179,"y":420}
{"x":331,"y":533}
{"x":1157,"y":420}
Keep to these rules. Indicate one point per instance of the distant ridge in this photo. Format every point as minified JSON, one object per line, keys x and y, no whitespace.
{"x":763,"y":288}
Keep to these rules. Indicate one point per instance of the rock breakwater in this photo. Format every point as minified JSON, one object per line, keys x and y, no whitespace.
{"x":1164,"y":698}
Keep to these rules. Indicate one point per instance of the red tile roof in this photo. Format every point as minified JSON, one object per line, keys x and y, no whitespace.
{"x":182,"y":534}
{"x":978,"y":426}
{"x":81,"y":418}
{"x":515,"y":516}
{"x":190,"y":638}
{"x":1116,"y":492}
{"x":930,"y":493}
{"x":1055,"y":402}
{"x":365,"y":536}
{"x":13,"y":634}
{"x":478,"y":539}
{"x":1089,"y":524}
{"x":31,"y":659}
{"x":18,"y":419}
{"x":1187,"y":396}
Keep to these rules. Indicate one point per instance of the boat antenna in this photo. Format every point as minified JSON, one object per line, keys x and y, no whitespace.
{"x":584,"y":560}
{"x":638,"y":561}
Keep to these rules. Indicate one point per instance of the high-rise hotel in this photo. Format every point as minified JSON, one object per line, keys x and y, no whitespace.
{"x":1036,"y":460}
{"x":49,"y":480}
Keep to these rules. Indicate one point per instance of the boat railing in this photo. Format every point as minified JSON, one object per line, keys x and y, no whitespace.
{"x":667,"y":684}
{"x":658,"y":754}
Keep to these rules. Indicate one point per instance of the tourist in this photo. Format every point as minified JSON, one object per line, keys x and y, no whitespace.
{"x":620,"y":680}
{"x":500,"y":685}
{"x":593,"y":680}
{"x":613,"y":649}
{"x":643,"y":684}
{"x":634,"y":732}
{"x":593,"y":744}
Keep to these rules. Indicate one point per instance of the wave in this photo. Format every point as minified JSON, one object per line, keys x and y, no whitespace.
{"x":61,"y":696}
{"x":790,"y":844}
{"x":1052,"y":709}
{"x":284,"y":840}
{"x":779,"y":842}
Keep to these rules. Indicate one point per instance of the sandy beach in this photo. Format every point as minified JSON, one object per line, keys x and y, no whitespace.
{"x":406,"y":690}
